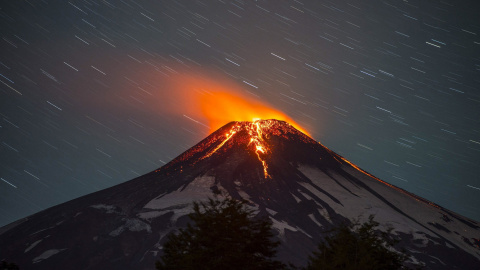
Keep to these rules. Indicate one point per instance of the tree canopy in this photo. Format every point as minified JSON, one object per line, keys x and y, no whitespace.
{"x":357,"y":247}
{"x":224,"y":235}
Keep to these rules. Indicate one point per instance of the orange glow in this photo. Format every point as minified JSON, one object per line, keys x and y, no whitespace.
{"x":215,"y":101}
{"x":222,"y":107}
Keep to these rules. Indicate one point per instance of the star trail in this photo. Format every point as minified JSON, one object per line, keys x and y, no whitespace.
{"x":87,"y":100}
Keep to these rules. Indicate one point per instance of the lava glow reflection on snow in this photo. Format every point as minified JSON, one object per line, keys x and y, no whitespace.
{"x":219,"y":101}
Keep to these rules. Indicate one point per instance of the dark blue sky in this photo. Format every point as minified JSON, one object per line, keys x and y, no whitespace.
{"x":393,"y":86}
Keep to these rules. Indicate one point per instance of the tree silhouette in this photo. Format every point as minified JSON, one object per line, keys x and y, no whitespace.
{"x":8,"y":266}
{"x":224,"y":235}
{"x":360,"y":248}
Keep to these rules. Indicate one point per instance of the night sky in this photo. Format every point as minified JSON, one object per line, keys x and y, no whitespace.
{"x":87,"y":99}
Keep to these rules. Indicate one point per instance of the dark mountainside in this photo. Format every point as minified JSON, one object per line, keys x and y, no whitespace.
{"x":301,"y":185}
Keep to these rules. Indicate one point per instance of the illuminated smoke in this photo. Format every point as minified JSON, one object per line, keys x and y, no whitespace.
{"x":216,"y":101}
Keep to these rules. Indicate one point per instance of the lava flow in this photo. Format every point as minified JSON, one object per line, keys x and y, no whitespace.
{"x":256,"y":133}
{"x":255,"y":130}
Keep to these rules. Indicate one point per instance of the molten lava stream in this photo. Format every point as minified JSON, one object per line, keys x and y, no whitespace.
{"x":256,"y":137}
{"x":228,"y":135}
{"x":255,"y":131}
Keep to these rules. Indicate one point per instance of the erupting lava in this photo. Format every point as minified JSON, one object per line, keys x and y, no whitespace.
{"x":216,"y":101}
{"x":256,"y":133}
{"x":256,"y":137}
{"x":213,"y":101}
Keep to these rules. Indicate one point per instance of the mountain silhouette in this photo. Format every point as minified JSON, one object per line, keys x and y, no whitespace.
{"x":302,"y":186}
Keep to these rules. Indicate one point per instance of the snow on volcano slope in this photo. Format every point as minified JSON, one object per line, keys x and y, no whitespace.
{"x":304,"y":188}
{"x":423,"y":224}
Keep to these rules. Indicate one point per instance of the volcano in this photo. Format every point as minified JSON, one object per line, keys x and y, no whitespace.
{"x":302,"y":186}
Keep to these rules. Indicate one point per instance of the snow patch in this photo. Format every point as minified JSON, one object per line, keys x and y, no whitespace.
{"x":47,"y":254}
{"x":324,"y":213}
{"x":40,"y":231}
{"x":148,"y":216}
{"x":362,"y":204}
{"x":437,"y":259}
{"x":221,"y":188}
{"x":312,"y":217}
{"x":304,"y":232}
{"x":271,"y":212}
{"x":321,"y":195}
{"x":305,"y":195}
{"x":133,"y":225}
{"x":109,"y":209}
{"x":296,"y":198}
{"x":243,"y":194}
{"x":412,"y":258}
{"x":255,"y":208}
{"x":198,"y":189}
{"x":32,"y":245}
{"x":180,"y":201}
{"x":420,"y":236}
{"x":280,"y":226}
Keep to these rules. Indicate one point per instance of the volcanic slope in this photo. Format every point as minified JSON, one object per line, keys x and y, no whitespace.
{"x":302,"y":186}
